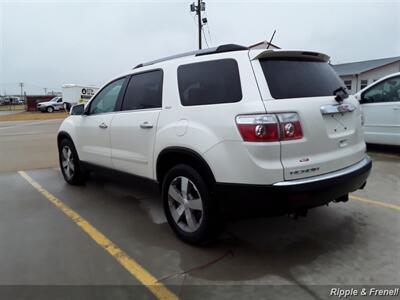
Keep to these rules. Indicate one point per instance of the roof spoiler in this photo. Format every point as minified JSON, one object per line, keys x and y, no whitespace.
{"x":277,"y":53}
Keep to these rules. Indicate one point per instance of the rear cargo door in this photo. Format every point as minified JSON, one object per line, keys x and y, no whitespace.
{"x":331,"y":129}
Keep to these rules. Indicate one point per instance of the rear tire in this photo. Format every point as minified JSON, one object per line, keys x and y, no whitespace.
{"x":70,"y":165}
{"x":189,"y":207}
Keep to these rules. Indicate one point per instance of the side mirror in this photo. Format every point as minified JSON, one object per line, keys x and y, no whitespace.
{"x":77,"y":110}
{"x":362,"y":98}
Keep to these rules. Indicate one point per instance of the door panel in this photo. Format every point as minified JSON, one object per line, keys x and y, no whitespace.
{"x":133,"y":129}
{"x":94,"y":135}
{"x":93,"y":130}
{"x":381,"y":109}
{"x":58,"y":104}
{"x":382,"y":123}
{"x":132,"y":140}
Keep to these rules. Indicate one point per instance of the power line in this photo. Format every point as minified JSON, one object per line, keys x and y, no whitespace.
{"x":194,"y":18}
{"x":8,"y":83}
{"x":26,"y":85}
{"x":208,"y":27}
{"x":202,"y":29}
{"x":205,"y":39}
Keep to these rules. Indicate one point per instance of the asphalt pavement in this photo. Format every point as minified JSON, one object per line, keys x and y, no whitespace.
{"x":55,"y":238}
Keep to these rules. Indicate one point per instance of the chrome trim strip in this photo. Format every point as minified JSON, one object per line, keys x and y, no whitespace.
{"x":337,"y":108}
{"x":331,"y":175}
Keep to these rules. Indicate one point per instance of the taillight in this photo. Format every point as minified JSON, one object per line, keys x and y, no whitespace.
{"x":269,"y":127}
{"x":258,"y":128}
{"x":290,"y":126}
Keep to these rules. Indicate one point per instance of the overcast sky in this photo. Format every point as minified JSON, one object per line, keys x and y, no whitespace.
{"x":49,"y":43}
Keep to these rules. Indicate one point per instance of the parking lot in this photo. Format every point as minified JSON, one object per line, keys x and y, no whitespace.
{"x":112,"y":233}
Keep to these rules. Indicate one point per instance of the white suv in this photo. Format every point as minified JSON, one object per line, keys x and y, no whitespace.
{"x":225,"y":132}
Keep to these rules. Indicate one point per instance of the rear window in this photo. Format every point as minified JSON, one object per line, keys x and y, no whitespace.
{"x":290,"y":78}
{"x":210,"y":82}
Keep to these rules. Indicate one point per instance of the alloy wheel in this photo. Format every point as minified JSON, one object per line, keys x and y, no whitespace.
{"x":67,"y":162}
{"x":185,"y":204}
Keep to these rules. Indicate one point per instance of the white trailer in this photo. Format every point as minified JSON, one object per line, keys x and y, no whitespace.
{"x":76,"y":93}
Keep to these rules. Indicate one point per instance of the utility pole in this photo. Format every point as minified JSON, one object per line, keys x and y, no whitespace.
{"x":21,"y":84}
{"x":201,"y":6}
{"x":199,"y":20}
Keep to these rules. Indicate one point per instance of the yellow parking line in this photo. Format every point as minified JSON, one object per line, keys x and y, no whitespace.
{"x":375,"y":202}
{"x":133,"y":267}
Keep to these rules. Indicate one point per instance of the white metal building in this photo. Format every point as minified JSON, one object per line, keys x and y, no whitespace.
{"x":358,"y":75}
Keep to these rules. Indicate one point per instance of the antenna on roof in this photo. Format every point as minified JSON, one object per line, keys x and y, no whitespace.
{"x":272,"y":37}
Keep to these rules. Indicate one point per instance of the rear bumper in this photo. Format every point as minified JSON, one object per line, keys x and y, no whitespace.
{"x":236,"y":200}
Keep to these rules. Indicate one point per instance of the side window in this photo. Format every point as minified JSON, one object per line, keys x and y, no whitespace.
{"x":210,"y":82}
{"x":144,"y":91}
{"x":385,"y":91}
{"x":59,"y":100}
{"x":363,"y":84}
{"x":107,"y":98}
{"x":347,"y":83}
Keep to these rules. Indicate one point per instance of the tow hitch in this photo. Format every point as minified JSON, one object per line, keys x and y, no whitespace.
{"x":299,"y":213}
{"x":344,"y":198}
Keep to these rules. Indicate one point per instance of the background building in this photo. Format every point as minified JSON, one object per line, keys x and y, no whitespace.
{"x":357,"y":75}
{"x":264,"y":45}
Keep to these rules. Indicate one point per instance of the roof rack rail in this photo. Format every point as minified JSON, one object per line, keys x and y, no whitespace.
{"x":219,"y":49}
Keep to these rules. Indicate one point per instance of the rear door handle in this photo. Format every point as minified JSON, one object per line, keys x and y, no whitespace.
{"x":146,"y":125}
{"x":103,"y":125}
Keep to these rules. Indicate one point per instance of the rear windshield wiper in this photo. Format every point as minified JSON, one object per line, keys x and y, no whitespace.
{"x":340,"y":94}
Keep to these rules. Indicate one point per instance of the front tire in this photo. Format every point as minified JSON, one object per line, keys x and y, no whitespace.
{"x":189,"y":207}
{"x":50,"y":109}
{"x":70,"y":164}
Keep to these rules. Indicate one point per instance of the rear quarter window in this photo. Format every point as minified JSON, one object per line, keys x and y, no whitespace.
{"x":294,"y":78}
{"x":144,"y":91}
{"x":210,"y":82}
